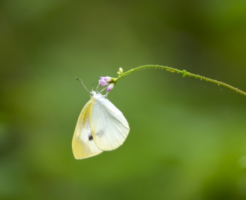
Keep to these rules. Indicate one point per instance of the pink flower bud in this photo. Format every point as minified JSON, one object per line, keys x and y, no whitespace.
{"x":107,"y":78}
{"x":104,"y":81}
{"x":110,"y":87}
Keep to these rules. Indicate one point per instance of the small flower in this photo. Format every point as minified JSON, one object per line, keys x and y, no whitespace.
{"x":120,"y":71}
{"x":104,"y":80}
{"x":110,"y":87}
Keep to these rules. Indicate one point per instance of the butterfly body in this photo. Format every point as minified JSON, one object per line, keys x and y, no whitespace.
{"x":100,"y":127}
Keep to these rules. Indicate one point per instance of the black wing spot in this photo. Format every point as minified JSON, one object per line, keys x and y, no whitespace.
{"x":90,"y":137}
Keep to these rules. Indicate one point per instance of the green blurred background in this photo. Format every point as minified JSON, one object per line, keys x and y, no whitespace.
{"x":187,"y":138}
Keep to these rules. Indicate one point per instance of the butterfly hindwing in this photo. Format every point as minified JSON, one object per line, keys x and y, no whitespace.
{"x":108,"y":125}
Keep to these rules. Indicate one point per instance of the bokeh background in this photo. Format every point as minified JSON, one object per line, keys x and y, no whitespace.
{"x":187,"y":138}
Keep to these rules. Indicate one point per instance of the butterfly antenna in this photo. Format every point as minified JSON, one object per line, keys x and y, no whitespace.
{"x":78,"y":79}
{"x":103,"y":89}
{"x":97,"y":87}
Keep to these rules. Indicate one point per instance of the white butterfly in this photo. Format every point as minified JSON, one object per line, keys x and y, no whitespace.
{"x":100,"y":127}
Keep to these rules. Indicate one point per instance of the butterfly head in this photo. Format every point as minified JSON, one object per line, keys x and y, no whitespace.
{"x":92,"y":93}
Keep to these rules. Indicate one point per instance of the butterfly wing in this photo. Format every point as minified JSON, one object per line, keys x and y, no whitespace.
{"x":83,"y":143}
{"x":108,"y":125}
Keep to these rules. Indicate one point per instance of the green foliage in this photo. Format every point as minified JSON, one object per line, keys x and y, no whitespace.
{"x":187,"y":137}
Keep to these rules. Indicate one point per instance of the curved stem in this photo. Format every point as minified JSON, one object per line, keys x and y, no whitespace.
{"x":184,"y":74}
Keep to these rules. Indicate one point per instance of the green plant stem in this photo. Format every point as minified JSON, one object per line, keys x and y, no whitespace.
{"x":184,"y":74}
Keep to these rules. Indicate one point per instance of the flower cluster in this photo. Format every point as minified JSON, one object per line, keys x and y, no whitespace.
{"x":106,"y":80}
{"x":103,"y":81}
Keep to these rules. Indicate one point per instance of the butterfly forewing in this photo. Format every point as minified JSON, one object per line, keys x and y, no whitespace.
{"x":108,"y":125}
{"x":83,"y":143}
